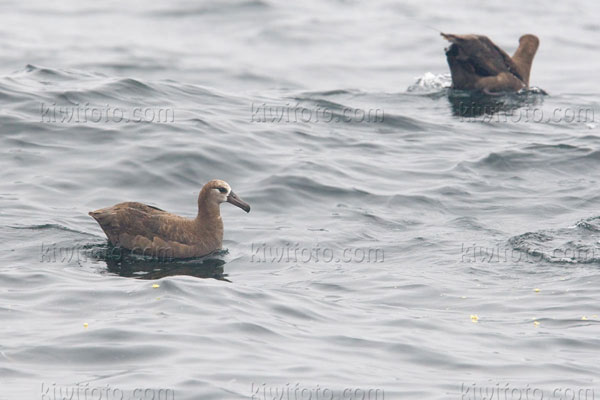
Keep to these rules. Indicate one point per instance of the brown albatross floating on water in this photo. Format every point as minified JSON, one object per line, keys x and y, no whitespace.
{"x":476,"y":63}
{"x":151,"y":231}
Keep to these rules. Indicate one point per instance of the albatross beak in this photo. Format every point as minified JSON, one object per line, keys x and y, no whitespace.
{"x":236,"y":201}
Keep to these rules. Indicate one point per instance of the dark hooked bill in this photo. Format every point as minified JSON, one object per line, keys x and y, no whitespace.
{"x":236,"y":201}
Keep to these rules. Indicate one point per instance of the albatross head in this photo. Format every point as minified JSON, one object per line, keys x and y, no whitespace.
{"x":530,"y":41}
{"x":219,"y":191}
{"x":523,"y":57}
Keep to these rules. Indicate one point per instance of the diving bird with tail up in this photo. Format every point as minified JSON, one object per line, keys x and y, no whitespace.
{"x":151,"y":231}
{"x":476,"y":63}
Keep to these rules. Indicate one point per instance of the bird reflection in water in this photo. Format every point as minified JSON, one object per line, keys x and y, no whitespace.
{"x":510,"y":107}
{"x":123,"y":262}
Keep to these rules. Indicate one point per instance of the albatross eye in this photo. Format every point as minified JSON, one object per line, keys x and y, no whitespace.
{"x":222,"y":190}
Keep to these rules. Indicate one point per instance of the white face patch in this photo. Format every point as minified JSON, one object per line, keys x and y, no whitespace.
{"x":219,"y":190}
{"x":223,"y":192}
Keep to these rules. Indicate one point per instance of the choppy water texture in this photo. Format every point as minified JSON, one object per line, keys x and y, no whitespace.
{"x":458,"y":236}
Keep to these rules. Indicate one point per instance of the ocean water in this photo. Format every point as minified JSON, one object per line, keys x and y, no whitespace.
{"x":404,"y":242}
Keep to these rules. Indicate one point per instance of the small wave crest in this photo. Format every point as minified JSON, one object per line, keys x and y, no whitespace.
{"x":430,"y":82}
{"x":578,"y":244}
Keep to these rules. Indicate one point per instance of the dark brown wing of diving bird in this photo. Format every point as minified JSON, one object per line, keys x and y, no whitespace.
{"x":476,"y":63}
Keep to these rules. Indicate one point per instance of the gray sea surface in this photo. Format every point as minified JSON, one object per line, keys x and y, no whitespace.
{"x":405,"y":242}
